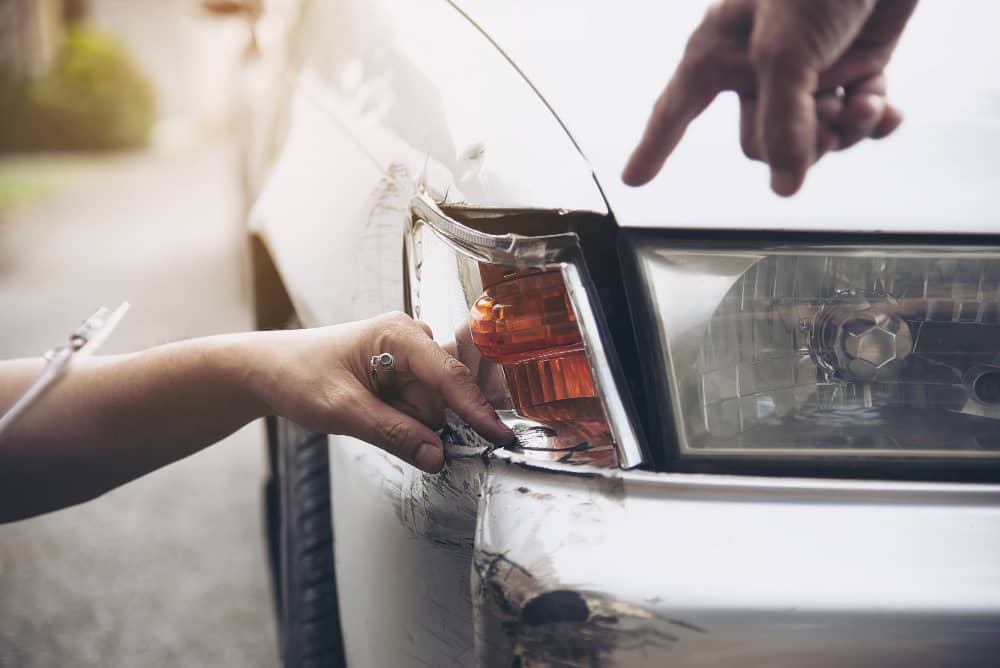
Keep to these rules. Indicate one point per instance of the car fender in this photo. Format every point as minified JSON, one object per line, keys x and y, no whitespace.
{"x":385,"y":99}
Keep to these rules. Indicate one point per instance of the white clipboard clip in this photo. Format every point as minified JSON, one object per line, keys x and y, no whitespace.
{"x":85,"y":340}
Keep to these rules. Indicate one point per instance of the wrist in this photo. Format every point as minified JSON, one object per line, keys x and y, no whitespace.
{"x":242,"y":366}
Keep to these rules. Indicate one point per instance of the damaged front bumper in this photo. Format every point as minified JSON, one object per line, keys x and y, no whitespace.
{"x":596,"y":567}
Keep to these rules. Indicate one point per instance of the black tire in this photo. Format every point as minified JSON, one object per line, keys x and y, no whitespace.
{"x":301,"y":541}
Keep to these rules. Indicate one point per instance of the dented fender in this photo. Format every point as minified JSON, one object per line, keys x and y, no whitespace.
{"x":370,"y":116}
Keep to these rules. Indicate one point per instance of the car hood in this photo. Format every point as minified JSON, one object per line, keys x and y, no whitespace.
{"x":601,"y":65}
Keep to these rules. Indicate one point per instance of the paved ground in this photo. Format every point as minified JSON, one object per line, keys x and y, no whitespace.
{"x":191,"y":57}
{"x":168,"y":570}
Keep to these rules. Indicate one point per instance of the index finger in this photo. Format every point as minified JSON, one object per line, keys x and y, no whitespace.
{"x":713,"y":61}
{"x":684,"y":98}
{"x":435,"y":368}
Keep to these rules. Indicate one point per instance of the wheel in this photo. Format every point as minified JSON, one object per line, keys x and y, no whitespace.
{"x":301,"y":540}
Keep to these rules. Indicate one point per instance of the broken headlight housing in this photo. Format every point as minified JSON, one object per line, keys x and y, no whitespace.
{"x":521,"y":311}
{"x":836,"y":352}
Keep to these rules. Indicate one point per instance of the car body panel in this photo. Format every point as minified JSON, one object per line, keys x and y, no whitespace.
{"x":370,"y":116}
{"x":329,"y":218}
{"x":403,"y":544}
{"x":602,"y":65}
{"x":379,"y":106}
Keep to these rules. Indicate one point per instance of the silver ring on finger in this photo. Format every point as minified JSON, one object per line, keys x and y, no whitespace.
{"x":383,"y":374}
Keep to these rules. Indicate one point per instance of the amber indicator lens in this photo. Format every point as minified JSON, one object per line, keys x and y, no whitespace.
{"x":526,"y":323}
{"x":524,"y":317}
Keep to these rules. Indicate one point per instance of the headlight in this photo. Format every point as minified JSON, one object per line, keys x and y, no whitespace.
{"x":833,"y":351}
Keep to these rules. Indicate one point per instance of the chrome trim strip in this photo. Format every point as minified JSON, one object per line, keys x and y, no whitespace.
{"x":863,"y":491}
{"x":510,"y":249}
{"x":623,"y":430}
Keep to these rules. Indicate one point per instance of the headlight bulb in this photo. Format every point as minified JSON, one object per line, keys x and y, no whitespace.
{"x":984,"y":383}
{"x":863,"y":340}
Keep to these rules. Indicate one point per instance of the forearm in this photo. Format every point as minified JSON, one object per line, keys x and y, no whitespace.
{"x":112,"y":419}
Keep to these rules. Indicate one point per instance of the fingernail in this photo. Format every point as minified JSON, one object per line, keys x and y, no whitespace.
{"x":634,"y":174}
{"x":429,"y":457}
{"x":509,"y":437}
{"x":627,"y":176}
{"x":784,"y":182}
{"x":508,"y":433}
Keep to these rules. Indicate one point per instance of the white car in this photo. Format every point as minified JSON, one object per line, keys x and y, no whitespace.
{"x":752,"y":431}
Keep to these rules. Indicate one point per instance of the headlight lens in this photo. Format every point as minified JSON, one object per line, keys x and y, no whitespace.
{"x":834,"y":351}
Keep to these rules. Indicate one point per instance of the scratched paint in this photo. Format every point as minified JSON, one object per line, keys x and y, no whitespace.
{"x":441,"y":509}
{"x":521,"y":617}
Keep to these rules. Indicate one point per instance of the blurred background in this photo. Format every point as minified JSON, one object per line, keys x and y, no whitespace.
{"x":119,"y":180}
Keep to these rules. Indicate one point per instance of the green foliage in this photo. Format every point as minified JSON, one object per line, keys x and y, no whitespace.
{"x":94,"y":97}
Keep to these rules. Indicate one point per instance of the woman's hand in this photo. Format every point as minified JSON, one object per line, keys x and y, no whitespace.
{"x":809,"y":76}
{"x":321,"y":379}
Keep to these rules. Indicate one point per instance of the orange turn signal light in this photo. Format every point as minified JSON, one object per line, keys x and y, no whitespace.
{"x":526,"y":323}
